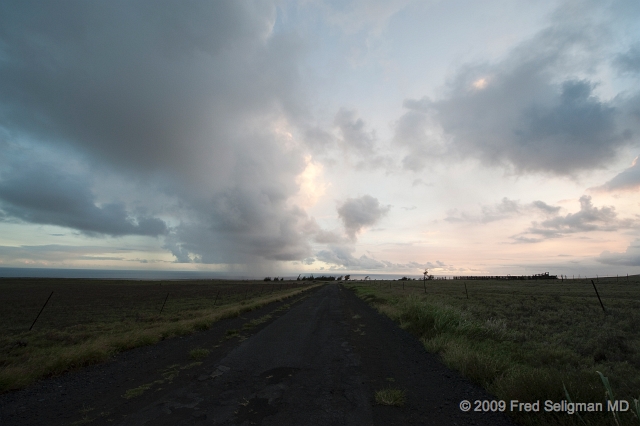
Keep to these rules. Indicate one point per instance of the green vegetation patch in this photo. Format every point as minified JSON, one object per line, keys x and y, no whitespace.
{"x":231,"y":333}
{"x":394,"y":397}
{"x":199,"y":353}
{"x":255,"y":322}
{"x":132,"y":393}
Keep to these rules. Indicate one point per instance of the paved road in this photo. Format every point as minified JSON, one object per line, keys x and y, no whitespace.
{"x":318,"y":363}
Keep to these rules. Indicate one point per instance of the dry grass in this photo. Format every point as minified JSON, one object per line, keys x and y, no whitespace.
{"x":87,"y":323}
{"x":525,"y":339}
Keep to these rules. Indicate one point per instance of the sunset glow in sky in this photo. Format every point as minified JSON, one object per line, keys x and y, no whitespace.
{"x":280,"y":137}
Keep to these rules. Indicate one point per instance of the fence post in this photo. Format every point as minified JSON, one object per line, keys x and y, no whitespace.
{"x":214,"y":302}
{"x":465,"y":289}
{"x":165,"y":301}
{"x":45,"y":304}
{"x":594,"y":287}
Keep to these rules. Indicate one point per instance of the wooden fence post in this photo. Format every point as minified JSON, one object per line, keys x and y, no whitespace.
{"x":594,"y":287}
{"x":45,"y":304}
{"x":165,"y":301}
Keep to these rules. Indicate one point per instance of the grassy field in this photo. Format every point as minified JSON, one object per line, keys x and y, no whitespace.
{"x":87,"y":321}
{"x":528,"y":340}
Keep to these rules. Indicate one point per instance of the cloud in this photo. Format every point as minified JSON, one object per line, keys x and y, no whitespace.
{"x":194,"y":106}
{"x":546,"y":208}
{"x":354,"y":135}
{"x":342,"y":257}
{"x":588,"y":219}
{"x":55,"y":253}
{"x":37,"y":193}
{"x":629,"y":62}
{"x":357,"y":213}
{"x":628,"y":179}
{"x":245,"y":225}
{"x":417,"y":131}
{"x":631,"y":256}
{"x":358,"y":142}
{"x":362,"y":15}
{"x":534,"y":111}
{"x":420,"y":182}
{"x":505,"y":209}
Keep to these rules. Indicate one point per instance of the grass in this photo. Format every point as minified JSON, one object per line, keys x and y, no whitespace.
{"x":257,"y":321}
{"x":525,"y":340}
{"x":231,"y":333}
{"x":132,"y":393}
{"x":88,"y":321}
{"x":199,"y":353}
{"x":394,"y":397}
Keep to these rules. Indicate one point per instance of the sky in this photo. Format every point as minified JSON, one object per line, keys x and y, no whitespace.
{"x":285,"y":137}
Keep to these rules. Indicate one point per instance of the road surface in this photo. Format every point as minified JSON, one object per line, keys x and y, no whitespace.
{"x":318,"y":361}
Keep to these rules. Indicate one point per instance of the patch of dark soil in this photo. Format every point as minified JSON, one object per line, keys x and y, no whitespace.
{"x":276,"y":375}
{"x":255,"y":410}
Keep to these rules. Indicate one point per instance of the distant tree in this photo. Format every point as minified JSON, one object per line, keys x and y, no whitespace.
{"x":282,"y":279}
{"x":325,"y":278}
{"x":339,"y":278}
{"x":347,"y":277}
{"x":298,"y":279}
{"x":267,"y":278}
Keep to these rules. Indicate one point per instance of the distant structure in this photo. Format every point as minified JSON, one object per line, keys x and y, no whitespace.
{"x":544,"y":276}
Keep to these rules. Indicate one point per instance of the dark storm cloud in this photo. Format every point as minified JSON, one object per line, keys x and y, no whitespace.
{"x":247,"y":224}
{"x":588,"y":219}
{"x":628,"y":179}
{"x":40,"y":194}
{"x":143,"y":84}
{"x":631,"y":256}
{"x":357,"y":213}
{"x":188,"y":101}
{"x":529,"y":112}
{"x":629,"y":62}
